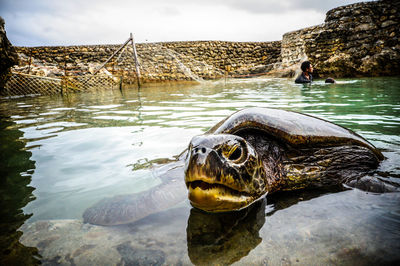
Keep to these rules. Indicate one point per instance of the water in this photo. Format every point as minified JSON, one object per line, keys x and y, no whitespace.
{"x":60,"y":155}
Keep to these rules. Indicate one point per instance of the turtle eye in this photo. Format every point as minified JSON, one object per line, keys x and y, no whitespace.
{"x":235,"y":153}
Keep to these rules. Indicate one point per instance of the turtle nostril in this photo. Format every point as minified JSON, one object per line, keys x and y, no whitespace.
{"x":200,"y":150}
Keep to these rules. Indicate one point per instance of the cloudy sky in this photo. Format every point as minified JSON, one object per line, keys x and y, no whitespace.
{"x":69,"y":22}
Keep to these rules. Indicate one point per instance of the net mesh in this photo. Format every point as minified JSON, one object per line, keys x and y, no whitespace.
{"x":25,"y":84}
{"x":88,"y":82}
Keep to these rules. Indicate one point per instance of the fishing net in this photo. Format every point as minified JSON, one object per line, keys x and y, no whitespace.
{"x":25,"y":84}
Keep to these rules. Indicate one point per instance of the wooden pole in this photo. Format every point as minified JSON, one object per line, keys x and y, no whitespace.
{"x":120,"y":54}
{"x":65,"y":63}
{"x":29,"y":61}
{"x":136,"y":59}
{"x":113,"y":68}
{"x":108,"y":60}
{"x":120,"y":83}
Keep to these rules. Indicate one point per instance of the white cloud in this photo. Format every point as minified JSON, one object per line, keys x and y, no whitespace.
{"x":49,"y":22}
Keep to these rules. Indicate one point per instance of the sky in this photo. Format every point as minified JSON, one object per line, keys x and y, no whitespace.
{"x":73,"y":22}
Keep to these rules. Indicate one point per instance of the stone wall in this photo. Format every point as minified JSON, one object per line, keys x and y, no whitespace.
{"x":361,"y":39}
{"x":240,"y":57}
{"x":158,"y":61}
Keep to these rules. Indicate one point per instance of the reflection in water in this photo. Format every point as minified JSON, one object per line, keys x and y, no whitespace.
{"x":224,"y":238}
{"x":285,"y":199}
{"x":15,"y":172}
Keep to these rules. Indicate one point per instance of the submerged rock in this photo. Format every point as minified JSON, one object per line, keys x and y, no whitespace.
{"x":145,"y":242}
{"x":131,"y":256}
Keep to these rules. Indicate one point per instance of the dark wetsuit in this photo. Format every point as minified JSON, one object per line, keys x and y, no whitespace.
{"x":303,"y":79}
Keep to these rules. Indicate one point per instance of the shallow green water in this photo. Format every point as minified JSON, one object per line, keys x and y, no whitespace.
{"x":69,"y":152}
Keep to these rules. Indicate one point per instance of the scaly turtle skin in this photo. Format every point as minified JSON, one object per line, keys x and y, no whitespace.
{"x":257,"y":151}
{"x":249,"y":154}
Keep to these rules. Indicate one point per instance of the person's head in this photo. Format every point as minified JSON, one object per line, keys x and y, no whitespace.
{"x":306,"y":67}
{"x":330,"y":80}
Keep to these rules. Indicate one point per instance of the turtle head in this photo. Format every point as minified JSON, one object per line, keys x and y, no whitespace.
{"x":223,"y":173}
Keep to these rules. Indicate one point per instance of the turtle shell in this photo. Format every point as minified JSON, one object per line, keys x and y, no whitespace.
{"x":295,"y":129}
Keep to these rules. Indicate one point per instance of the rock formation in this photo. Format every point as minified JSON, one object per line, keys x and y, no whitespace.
{"x":361,"y":39}
{"x":8,"y":55}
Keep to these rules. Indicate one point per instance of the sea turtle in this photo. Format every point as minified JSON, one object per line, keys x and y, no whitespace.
{"x":251,"y":153}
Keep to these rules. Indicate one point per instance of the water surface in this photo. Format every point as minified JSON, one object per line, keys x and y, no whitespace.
{"x":61,"y":154}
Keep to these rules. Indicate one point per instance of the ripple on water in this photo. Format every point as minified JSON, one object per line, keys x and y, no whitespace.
{"x":111,"y":106}
{"x":96,"y":145}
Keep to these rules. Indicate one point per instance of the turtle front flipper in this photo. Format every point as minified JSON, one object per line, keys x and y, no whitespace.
{"x":124,"y":209}
{"x":374,"y":184}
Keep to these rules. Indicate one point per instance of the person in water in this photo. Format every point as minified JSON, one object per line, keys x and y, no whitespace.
{"x":306,"y":76}
{"x":330,"y":80}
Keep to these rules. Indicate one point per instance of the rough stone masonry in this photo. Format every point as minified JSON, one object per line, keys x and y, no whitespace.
{"x":361,"y":39}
